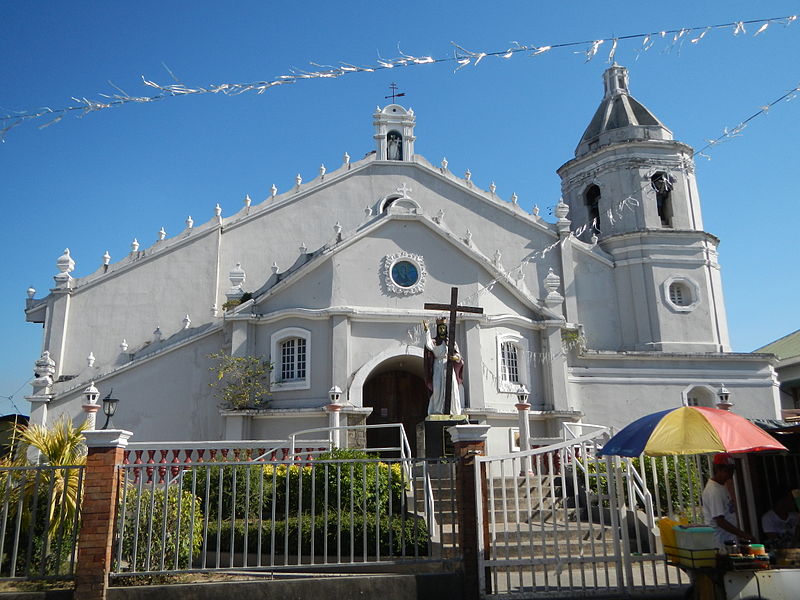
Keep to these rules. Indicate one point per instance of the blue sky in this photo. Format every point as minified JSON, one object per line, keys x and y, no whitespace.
{"x":94,"y":183}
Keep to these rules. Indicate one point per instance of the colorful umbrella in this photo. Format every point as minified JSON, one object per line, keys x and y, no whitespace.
{"x":690,"y":430}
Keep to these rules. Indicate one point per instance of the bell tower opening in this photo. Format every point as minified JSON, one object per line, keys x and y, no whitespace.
{"x":395,"y":391}
{"x":394,"y":133}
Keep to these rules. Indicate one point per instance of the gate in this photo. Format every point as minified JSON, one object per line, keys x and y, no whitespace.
{"x":560,"y":522}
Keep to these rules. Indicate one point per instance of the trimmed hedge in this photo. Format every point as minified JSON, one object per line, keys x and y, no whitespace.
{"x":253,"y":490}
{"x":402,"y":535}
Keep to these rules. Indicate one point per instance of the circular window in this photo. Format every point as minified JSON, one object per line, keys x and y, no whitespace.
{"x":681,"y":294}
{"x":405,"y":273}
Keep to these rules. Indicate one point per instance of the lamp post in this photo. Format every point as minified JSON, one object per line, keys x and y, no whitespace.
{"x":334,"y":408}
{"x":109,"y":408}
{"x":90,"y":407}
{"x":724,"y":398}
{"x":523,"y":408}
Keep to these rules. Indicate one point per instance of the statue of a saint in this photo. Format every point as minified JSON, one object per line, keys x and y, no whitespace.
{"x":394,"y":147}
{"x":435,"y":355}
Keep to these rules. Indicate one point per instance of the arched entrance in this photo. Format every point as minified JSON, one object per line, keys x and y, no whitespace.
{"x":396,"y":392}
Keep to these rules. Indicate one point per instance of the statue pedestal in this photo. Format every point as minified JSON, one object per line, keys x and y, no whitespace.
{"x":433,"y":440}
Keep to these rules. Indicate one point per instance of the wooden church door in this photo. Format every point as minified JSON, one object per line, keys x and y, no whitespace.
{"x":395,"y":397}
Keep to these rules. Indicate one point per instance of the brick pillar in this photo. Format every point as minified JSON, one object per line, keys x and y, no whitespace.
{"x":469,"y":441}
{"x":98,"y":511}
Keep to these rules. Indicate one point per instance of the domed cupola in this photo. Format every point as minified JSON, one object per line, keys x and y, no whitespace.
{"x":620,"y":117}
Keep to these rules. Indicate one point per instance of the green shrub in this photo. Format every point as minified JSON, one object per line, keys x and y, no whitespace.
{"x":233,"y":491}
{"x":400,"y":535}
{"x":159,"y":525}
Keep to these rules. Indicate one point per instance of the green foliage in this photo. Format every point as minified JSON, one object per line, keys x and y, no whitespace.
{"x":674,"y":482}
{"x":400,"y":535}
{"x":242,"y":382}
{"x":168,"y":525}
{"x":234,"y":491}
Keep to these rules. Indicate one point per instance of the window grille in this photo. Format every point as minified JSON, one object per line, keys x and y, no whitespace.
{"x":510,"y":362}
{"x":679,"y":295}
{"x":293,"y":359}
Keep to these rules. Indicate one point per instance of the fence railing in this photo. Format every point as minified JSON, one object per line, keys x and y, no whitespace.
{"x":283,"y":514}
{"x":563,"y":522}
{"x":39,"y":521}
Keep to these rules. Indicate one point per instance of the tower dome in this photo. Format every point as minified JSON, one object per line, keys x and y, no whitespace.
{"x":620,"y":117}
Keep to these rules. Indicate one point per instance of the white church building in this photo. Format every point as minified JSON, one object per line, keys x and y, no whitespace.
{"x":613,"y":311}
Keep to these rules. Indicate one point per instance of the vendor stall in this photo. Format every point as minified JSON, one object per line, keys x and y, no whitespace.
{"x":737,"y":572}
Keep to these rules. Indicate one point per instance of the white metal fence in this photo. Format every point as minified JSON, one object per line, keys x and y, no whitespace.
{"x":295,"y":513}
{"x":561,"y":522}
{"x":39,"y":521}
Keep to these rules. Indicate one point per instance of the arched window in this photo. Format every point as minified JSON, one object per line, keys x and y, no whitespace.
{"x":592,"y":199}
{"x":663,"y":184}
{"x":291,"y":359}
{"x":512,"y":363}
{"x":394,"y":145}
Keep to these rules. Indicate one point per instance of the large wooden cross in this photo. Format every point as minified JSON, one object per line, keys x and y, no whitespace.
{"x":453,"y":307}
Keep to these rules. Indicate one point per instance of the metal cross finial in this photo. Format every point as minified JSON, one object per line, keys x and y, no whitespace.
{"x":394,"y":94}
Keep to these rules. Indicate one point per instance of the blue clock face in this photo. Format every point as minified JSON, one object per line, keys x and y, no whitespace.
{"x":405,"y":273}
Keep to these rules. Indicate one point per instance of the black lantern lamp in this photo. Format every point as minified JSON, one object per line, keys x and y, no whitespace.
{"x":109,"y":408}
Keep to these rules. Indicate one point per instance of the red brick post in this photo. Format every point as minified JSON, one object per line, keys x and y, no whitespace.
{"x":98,"y":511}
{"x":469,"y":441}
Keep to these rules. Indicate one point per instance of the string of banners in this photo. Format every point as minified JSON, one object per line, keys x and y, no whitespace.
{"x":461,"y":57}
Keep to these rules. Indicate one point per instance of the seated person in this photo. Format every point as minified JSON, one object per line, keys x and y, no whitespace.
{"x":779,"y":524}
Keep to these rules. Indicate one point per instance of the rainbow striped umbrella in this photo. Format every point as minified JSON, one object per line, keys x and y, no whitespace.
{"x":690,"y":430}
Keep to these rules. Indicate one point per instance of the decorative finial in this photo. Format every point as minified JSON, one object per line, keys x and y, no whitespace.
{"x":186,"y":322}
{"x":217,"y":211}
{"x":274,"y":267}
{"x":189,"y":222}
{"x":161,"y":234}
{"x":346,"y":159}
{"x":303,"y":248}
{"x":31,"y":292}
{"x":157,"y":334}
{"x":135,"y":245}
{"x":368,"y":212}
{"x":322,"y":171}
{"x":247,"y":201}
{"x":123,"y":347}
{"x":444,"y":164}
{"x":492,"y":187}
{"x":65,"y":263}
{"x":594,"y":239}
{"x":273,"y":190}
{"x":439,"y":218}
{"x":297,"y":181}
{"x":237,"y":276}
{"x":106,"y":258}
{"x":562,"y":209}
{"x":535,"y":210}
{"x":90,"y":360}
{"x":514,"y":198}
{"x":337,"y":228}
{"x":468,"y":237}
{"x":468,"y":176}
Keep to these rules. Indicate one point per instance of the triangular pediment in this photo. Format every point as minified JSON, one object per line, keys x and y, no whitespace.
{"x":357,"y":272}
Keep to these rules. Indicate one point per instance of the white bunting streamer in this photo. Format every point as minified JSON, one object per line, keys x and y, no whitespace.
{"x":461,"y":58}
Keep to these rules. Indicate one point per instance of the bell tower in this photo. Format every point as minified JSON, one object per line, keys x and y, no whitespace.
{"x":632,"y":187}
{"x":394,"y":133}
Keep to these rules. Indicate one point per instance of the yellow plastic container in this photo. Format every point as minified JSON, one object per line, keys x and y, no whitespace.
{"x":665,"y":525}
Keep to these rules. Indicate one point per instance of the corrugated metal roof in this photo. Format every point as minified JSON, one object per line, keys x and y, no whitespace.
{"x":786,"y":347}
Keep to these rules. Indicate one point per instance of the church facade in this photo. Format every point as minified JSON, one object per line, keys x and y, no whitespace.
{"x":613,"y":311}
